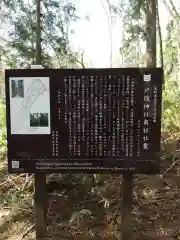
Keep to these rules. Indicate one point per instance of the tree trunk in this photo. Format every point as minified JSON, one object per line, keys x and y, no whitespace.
{"x":151,"y":33}
{"x":160,"y":38}
{"x":38,"y":32}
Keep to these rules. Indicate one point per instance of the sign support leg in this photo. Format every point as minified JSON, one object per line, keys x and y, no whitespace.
{"x":40,"y":204}
{"x":126,"y":224}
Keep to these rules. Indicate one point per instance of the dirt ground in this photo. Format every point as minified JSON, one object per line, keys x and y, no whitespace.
{"x":156,"y":206}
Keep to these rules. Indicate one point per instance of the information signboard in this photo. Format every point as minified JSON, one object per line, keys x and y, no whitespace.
{"x":84,"y":120}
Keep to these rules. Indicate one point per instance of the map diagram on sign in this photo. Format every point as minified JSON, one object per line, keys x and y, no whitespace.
{"x":30,"y":105}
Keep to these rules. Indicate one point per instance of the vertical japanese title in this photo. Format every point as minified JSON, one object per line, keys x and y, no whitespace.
{"x":147,"y":110}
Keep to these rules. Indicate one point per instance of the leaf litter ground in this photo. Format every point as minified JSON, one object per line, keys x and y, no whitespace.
{"x":89,"y":207}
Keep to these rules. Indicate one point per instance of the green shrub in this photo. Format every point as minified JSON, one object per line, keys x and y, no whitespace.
{"x":171,"y":107}
{"x":3,"y":139}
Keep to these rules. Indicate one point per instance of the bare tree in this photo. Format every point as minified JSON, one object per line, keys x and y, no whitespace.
{"x":81,"y":60}
{"x":109,"y":20}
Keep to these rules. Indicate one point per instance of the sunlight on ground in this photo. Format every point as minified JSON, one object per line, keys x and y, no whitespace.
{"x":149,"y":193}
{"x":11,"y":229}
{"x":163,"y":231}
{"x":3,"y":214}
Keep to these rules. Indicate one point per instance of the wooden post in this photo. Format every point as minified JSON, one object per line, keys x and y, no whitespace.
{"x":40,"y":203}
{"x":127,"y":226}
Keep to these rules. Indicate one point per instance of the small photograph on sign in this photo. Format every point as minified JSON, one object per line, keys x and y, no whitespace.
{"x":15,"y":164}
{"x":17,"y":88}
{"x":39,"y":120}
{"x":30,"y":105}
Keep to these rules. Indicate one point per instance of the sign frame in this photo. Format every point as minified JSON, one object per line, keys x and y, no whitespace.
{"x":130,"y":165}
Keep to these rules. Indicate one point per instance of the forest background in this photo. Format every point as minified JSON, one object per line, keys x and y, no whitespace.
{"x":84,"y":34}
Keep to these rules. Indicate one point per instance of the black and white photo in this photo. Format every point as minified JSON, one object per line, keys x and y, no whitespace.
{"x":39,"y":120}
{"x":17,"y":88}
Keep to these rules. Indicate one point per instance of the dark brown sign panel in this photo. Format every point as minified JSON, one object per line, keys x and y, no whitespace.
{"x":84,"y":120}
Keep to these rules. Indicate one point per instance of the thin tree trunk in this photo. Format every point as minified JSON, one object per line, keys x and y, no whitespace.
{"x":151,"y":33}
{"x":109,"y":20}
{"x":38,"y":32}
{"x":160,"y":37}
{"x":111,"y":44}
{"x":174,"y":9}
